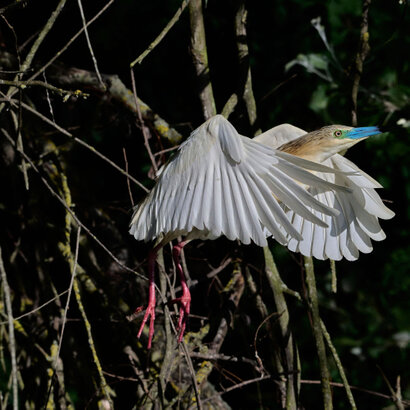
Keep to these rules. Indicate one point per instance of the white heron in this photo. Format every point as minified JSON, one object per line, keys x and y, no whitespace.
{"x":222,"y":183}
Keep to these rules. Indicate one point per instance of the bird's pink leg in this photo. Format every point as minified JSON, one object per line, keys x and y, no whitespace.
{"x":185,"y":299}
{"x":150,"y":309}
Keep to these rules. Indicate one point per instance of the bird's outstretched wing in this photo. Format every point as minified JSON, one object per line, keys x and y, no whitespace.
{"x":359,"y":210}
{"x":222,"y":183}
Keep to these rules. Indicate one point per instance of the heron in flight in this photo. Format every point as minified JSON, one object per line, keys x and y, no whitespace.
{"x":221,"y":183}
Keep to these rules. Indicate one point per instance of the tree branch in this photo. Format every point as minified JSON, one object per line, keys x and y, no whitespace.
{"x":361,"y":55}
{"x":78,"y":78}
{"x":200,"y":58}
{"x":318,"y":334}
{"x":12,"y":340}
{"x":287,"y":339}
{"x":161,"y":35}
{"x":245,"y":77}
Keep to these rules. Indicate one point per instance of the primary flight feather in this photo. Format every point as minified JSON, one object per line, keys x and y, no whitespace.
{"x":222,"y":183}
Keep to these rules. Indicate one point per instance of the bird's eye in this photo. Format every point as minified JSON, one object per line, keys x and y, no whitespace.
{"x":338,"y":134}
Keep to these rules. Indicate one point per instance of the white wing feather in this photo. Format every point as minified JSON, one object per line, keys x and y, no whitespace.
{"x":359,"y":209}
{"x":221,"y":183}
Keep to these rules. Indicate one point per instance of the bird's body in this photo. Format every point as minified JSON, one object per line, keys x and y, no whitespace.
{"x":222,"y":183}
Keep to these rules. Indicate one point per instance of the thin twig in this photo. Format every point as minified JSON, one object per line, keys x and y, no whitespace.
{"x":30,"y":56}
{"x":12,"y":5}
{"x":232,"y":292}
{"x":163,"y":33}
{"x":74,"y":216}
{"x":128,"y":180}
{"x":16,"y":46}
{"x":398,"y":399}
{"x":275,"y":282}
{"x":163,"y":151}
{"x":334,"y":275}
{"x":361,"y":55}
{"x":65,"y":47}
{"x":12,"y":340}
{"x":17,"y":125}
{"x":104,"y":386}
{"x":43,"y":33}
{"x":239,"y":386}
{"x":24,"y":84}
{"x":263,"y":311}
{"x":188,"y":360}
{"x":65,"y":248}
{"x":170,"y":339}
{"x":97,"y":71}
{"x":274,"y":89}
{"x":395,"y":395}
{"x":371,"y":392}
{"x":318,"y":334}
{"x":261,"y":368}
{"x":38,"y":308}
{"x":50,"y":105}
{"x":64,"y":321}
{"x":144,"y":129}
{"x":116,"y":90}
{"x":70,"y":288}
{"x":339,"y":365}
{"x":72,"y":39}
{"x":209,"y":275}
{"x":81,"y":142}
{"x":224,"y":357}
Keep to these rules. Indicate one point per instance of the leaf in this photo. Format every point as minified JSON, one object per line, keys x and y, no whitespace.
{"x":314,"y":63}
{"x":319,"y":100}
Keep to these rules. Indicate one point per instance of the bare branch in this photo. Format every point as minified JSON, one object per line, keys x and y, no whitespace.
{"x":290,"y":367}
{"x":200,"y":57}
{"x":12,"y":340}
{"x":339,"y":365}
{"x":371,"y":392}
{"x":97,"y":71}
{"x":70,"y":288}
{"x":361,"y":55}
{"x":24,"y":84}
{"x":74,"y":216}
{"x":12,"y":5}
{"x":63,"y":49}
{"x":117,"y":90}
{"x":145,"y":131}
{"x":43,"y":33}
{"x":161,"y":35}
{"x":81,"y":142}
{"x":318,"y":334}
{"x":245,"y":76}
{"x":38,"y":308}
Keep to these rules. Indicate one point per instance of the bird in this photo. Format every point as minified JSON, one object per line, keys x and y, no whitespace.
{"x":350,"y":232}
{"x":220,"y":183}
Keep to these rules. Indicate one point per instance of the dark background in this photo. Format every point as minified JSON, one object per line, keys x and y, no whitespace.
{"x":370,"y":312}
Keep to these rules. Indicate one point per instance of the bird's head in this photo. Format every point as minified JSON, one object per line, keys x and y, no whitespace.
{"x":329,"y":140}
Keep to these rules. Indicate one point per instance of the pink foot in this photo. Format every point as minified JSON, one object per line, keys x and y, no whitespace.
{"x":185,"y":306}
{"x":150,"y":309}
{"x":149,"y":313}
